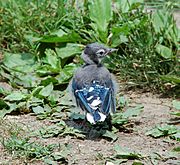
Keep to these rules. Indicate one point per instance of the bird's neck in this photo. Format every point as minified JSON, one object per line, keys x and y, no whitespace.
{"x":88,"y":61}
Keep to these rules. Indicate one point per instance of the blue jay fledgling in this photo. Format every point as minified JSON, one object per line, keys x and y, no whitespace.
{"x":93,"y":85}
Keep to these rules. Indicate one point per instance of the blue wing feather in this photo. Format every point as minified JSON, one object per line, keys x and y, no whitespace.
{"x":106,"y":102}
{"x":83,"y":102}
{"x":85,"y":97}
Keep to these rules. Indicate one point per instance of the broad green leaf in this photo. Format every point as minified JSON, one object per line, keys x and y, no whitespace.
{"x":46,"y":91}
{"x":171,"y":78}
{"x":22,"y":62}
{"x":77,"y":116}
{"x":125,"y":153}
{"x":132,"y":112}
{"x":15,"y":96}
{"x":121,"y":30}
{"x":34,"y":101}
{"x":27,"y":80}
{"x":164,"y":51}
{"x":69,"y":51}
{"x":60,"y":129}
{"x":51,"y":59}
{"x":125,"y":5}
{"x":46,"y":70}
{"x":11,"y":108}
{"x":176,"y":104}
{"x":64,"y":77}
{"x":110,"y":135}
{"x":137,"y":163}
{"x":66,"y":74}
{"x":177,"y":149}
{"x":175,"y":113}
{"x":100,"y":12}
{"x":61,"y":37}
{"x":3,"y":104}
{"x":117,"y":119}
{"x":155,"y":133}
{"x":38,"y":110}
{"x":163,"y":130}
{"x":176,"y":136}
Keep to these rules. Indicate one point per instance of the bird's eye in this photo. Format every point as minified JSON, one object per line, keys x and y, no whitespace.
{"x":100,"y":52}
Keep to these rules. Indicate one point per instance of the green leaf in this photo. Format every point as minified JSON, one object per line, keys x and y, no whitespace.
{"x":122,"y":101}
{"x":3,"y":104}
{"x":132,"y":112}
{"x":60,"y":37}
{"x":176,"y":104}
{"x":164,"y":51}
{"x":100,"y":12}
{"x":15,"y":96}
{"x":22,"y":62}
{"x":175,"y":113}
{"x":117,"y":119}
{"x":46,"y":91}
{"x":155,"y":133}
{"x":111,"y":135}
{"x":66,"y":74}
{"x":77,"y":116}
{"x":177,"y":149}
{"x":51,"y":59}
{"x":171,"y":78}
{"x":11,"y":108}
{"x":125,"y":5}
{"x":69,"y":51}
{"x":38,"y":110}
{"x":137,"y":163}
{"x":125,"y":153}
{"x":163,"y":130}
{"x":176,"y":136}
{"x":60,"y":129}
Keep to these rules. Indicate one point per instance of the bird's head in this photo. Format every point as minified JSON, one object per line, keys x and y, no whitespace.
{"x":95,"y":52}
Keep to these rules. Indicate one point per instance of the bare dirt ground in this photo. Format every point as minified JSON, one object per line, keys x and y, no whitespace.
{"x":93,"y":151}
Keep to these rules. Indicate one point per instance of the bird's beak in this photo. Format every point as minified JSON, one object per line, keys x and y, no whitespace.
{"x":111,"y":50}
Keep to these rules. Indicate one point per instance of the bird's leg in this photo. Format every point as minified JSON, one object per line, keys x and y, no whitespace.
{"x":109,"y":122}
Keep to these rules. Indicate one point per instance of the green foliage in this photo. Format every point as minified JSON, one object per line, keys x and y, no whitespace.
{"x":176,"y":105}
{"x":111,"y":135}
{"x":23,"y":148}
{"x":122,"y":154}
{"x":60,"y":129}
{"x":100,"y":12}
{"x":163,"y":130}
{"x":126,"y":153}
{"x":121,"y":118}
{"x":41,"y":42}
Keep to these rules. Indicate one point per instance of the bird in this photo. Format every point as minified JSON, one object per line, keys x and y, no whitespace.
{"x":93,"y":86}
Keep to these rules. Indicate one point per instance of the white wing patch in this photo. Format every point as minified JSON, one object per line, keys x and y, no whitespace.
{"x":96,"y":102}
{"x":103,"y":117}
{"x":89,"y":98}
{"x":91,"y":89}
{"x":90,"y":118}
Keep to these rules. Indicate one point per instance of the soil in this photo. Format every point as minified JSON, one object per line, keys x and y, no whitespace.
{"x":91,"y":151}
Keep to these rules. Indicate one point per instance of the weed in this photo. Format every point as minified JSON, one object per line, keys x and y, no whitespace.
{"x":164,"y":130}
{"x":24,"y":149}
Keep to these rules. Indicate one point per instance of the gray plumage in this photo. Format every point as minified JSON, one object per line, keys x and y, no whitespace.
{"x":93,"y":86}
